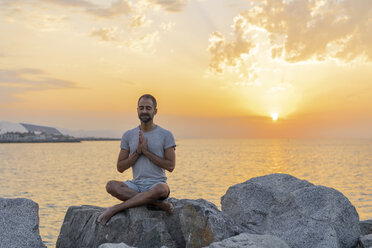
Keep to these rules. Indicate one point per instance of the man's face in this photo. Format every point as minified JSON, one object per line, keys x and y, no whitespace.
{"x":145,"y":110}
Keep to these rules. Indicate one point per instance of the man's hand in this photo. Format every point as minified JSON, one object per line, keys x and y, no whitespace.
{"x":139,"y":147}
{"x":143,"y":143}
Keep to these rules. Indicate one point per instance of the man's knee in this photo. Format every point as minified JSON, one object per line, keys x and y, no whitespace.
{"x":111,"y":187}
{"x":159,"y":191}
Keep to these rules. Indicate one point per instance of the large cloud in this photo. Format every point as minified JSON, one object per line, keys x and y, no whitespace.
{"x":137,"y":34}
{"x":299,"y":30}
{"x":229,"y":53}
{"x":31,"y":79}
{"x":116,"y":8}
{"x":316,"y":28}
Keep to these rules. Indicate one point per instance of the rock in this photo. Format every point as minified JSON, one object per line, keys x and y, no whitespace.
{"x":366,"y":241}
{"x":194,"y":223}
{"x":112,"y":245}
{"x":301,"y":214}
{"x":366,"y":227}
{"x":19,"y":223}
{"x":250,"y":241}
{"x":119,"y":245}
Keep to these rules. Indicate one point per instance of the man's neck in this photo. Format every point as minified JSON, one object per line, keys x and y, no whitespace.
{"x":147,"y":127}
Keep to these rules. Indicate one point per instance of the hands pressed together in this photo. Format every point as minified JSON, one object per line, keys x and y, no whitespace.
{"x":142,"y":144}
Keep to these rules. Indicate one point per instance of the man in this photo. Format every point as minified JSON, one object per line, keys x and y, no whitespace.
{"x":149,"y":150}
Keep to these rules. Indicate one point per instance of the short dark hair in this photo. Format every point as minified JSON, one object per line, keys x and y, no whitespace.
{"x":148,"y":96}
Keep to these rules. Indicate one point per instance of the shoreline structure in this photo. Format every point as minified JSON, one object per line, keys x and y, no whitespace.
{"x":276,"y":210}
{"x":30,"y":133}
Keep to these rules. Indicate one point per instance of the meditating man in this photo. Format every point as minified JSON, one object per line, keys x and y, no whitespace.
{"x":149,"y":150}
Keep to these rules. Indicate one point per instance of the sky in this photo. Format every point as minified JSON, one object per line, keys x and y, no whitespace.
{"x":218,"y":68}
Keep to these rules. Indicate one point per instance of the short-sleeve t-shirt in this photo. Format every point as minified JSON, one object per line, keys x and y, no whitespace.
{"x":158,"y":140}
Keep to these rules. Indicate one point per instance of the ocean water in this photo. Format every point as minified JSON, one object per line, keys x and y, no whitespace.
{"x":59,"y":175}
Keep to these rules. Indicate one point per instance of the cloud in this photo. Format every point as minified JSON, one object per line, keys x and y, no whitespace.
{"x":137,"y":33}
{"x":106,"y":34}
{"x":171,"y":5}
{"x":139,"y":21}
{"x":315,"y":29}
{"x":273,"y":33}
{"x":140,"y":43}
{"x":116,"y":8}
{"x":31,"y":79}
{"x":71,"y":3}
{"x":226,"y":54}
{"x":120,"y":7}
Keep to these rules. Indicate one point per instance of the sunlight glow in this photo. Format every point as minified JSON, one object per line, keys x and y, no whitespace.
{"x":274,"y":116}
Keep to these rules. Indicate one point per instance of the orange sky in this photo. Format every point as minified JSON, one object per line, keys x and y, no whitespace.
{"x":218,"y":68}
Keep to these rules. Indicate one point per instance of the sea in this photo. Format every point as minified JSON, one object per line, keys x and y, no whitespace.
{"x":60,"y":175}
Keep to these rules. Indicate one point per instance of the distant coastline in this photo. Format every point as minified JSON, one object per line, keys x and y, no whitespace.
{"x":98,"y":139}
{"x":40,"y":141}
{"x":69,"y":140}
{"x":30,"y":133}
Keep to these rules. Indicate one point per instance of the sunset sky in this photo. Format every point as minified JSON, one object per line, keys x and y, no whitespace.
{"x":219,"y":69}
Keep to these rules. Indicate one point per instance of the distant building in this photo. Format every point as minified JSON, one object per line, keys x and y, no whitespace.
{"x":10,"y":127}
{"x":24,"y":133}
{"x":41,"y":129}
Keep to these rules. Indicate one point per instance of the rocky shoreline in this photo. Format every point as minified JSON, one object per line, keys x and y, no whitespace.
{"x":276,"y":210}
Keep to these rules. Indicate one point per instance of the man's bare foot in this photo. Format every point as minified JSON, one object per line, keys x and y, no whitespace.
{"x":165,"y":205}
{"x":105,"y":216}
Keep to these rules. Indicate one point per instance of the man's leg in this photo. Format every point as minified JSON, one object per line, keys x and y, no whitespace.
{"x":120,"y":190}
{"x":148,"y":197}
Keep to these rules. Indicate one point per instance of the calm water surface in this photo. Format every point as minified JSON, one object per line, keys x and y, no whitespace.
{"x":61,"y":175}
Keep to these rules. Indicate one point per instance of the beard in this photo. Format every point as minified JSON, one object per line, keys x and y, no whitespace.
{"x":145,"y":118}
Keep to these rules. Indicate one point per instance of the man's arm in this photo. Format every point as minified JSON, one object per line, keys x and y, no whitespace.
{"x":168,"y":162}
{"x":125,"y":161}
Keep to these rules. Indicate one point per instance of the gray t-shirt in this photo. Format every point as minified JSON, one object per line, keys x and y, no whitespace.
{"x":158,"y":140}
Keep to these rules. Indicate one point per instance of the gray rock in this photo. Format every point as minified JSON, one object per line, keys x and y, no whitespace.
{"x":112,"y":245}
{"x":250,"y":241}
{"x":19,"y":224}
{"x":301,"y":214}
{"x":194,"y":223}
{"x":366,"y":241}
{"x":119,"y":245}
{"x":366,"y":227}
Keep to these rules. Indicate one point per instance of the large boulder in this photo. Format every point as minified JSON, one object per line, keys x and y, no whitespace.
{"x":302,"y":214}
{"x":194,"y":223}
{"x":19,"y":224}
{"x":250,"y":241}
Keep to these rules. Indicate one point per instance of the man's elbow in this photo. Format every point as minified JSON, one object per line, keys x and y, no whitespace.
{"x":120,"y":169}
{"x":171,"y":168}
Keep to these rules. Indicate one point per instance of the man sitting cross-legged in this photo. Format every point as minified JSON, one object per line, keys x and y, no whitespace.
{"x":149,"y":150}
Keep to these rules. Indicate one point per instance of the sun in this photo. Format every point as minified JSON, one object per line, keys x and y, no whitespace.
{"x":274,"y":116}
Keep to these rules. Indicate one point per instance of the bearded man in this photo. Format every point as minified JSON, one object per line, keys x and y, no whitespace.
{"x":150,"y":150}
